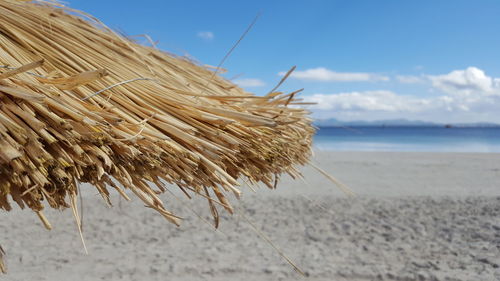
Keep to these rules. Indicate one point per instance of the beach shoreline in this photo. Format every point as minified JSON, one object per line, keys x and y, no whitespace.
{"x":416,"y":216}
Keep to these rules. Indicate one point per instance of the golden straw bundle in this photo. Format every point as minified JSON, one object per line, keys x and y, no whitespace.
{"x":79,"y":103}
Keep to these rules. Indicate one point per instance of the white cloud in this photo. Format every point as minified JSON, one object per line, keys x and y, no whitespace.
{"x":496,"y":83}
{"x":367,"y":101}
{"x":376,"y":105}
{"x":325,"y":75}
{"x":470,"y":81}
{"x":207,"y":35}
{"x":466,"y":95}
{"x":410,"y":79}
{"x":249,"y":82}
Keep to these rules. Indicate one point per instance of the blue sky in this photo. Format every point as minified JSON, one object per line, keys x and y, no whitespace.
{"x":360,"y":60}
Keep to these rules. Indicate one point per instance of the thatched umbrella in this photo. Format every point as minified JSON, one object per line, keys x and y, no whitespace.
{"x":82,"y":104}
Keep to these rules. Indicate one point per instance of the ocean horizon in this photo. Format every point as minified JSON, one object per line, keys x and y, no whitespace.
{"x":408,"y":139}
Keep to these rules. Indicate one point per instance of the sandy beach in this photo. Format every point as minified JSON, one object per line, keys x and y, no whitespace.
{"x":416,"y":216}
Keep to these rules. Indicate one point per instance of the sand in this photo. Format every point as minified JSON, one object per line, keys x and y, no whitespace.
{"x":417,"y":216}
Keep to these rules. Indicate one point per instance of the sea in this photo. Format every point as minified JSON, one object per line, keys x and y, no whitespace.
{"x":414,"y":138}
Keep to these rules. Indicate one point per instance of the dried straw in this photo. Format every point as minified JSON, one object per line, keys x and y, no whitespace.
{"x":79,"y":103}
{"x":3,"y":269}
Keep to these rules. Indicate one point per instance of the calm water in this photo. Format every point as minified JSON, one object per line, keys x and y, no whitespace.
{"x":433,"y":139}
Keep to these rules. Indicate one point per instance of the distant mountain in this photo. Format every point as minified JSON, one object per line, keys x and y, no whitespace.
{"x":479,"y":124}
{"x":332,"y":122}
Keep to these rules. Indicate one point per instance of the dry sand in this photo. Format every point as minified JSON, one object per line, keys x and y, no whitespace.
{"x":418,"y":216}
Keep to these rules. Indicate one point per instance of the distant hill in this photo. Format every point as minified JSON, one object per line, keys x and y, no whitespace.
{"x":332,"y":122}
